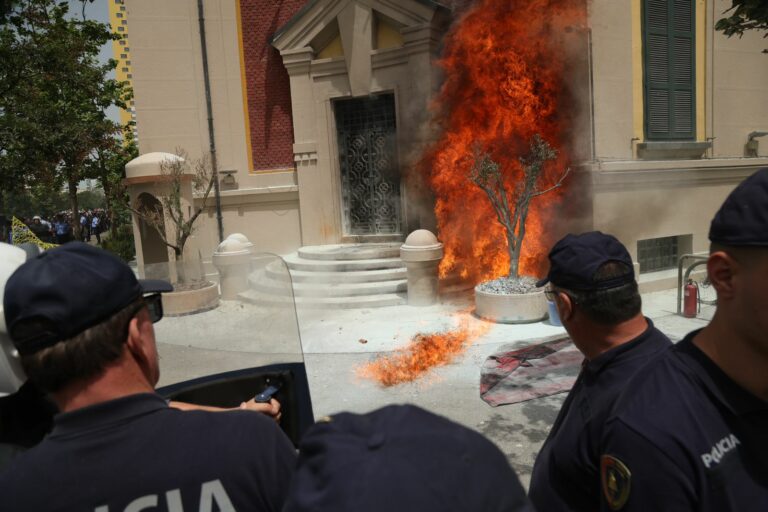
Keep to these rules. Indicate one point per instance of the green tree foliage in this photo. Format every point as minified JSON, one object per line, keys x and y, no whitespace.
{"x":745,"y":15}
{"x":54,"y":93}
{"x":107,"y":165}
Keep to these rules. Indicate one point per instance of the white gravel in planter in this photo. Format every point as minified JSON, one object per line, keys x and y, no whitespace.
{"x":509,"y":286}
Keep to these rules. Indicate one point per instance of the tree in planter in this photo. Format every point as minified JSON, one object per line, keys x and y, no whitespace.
{"x":170,"y":207}
{"x":511,"y":206}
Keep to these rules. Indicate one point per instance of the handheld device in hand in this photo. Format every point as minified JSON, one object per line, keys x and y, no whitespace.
{"x":266,"y":395}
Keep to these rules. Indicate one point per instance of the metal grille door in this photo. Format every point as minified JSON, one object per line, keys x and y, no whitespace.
{"x":370,"y":175}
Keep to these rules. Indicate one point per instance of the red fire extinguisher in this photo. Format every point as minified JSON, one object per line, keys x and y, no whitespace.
{"x":691,"y":299}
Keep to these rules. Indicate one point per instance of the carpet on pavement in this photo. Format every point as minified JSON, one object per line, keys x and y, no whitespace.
{"x":548,"y":366}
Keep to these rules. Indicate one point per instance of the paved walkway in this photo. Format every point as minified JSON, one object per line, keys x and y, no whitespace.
{"x":337,"y":342}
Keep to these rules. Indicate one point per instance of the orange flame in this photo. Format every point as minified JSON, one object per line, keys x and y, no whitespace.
{"x":424,"y":352}
{"x":506,"y":71}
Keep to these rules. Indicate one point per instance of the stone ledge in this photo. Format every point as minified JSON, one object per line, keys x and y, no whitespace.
{"x":628,"y":174}
{"x":672,"y":150}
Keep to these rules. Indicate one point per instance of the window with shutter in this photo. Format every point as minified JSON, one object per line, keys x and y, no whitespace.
{"x":669,"y":77}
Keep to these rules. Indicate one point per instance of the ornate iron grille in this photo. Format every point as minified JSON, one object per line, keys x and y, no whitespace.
{"x":370,"y":175}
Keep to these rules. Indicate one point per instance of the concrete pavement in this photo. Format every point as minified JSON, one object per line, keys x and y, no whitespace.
{"x":337,"y":342}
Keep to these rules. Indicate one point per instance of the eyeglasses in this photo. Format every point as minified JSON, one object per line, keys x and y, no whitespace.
{"x":154,"y":303}
{"x":550,"y":294}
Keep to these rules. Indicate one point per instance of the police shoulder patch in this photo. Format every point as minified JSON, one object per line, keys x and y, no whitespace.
{"x":615,"y":479}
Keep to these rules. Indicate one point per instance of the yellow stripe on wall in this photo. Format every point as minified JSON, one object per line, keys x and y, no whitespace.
{"x":701,"y":50}
{"x":244,"y":86}
{"x":637,"y":69}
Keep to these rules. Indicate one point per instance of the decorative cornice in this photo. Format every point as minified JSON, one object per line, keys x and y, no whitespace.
{"x":297,"y":61}
{"x":305,"y":153}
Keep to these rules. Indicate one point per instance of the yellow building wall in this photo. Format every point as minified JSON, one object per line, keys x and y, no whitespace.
{"x":387,"y":36}
{"x":121,"y":51}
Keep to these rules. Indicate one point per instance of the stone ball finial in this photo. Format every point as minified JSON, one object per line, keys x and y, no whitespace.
{"x":242,"y":239}
{"x":232,"y":246}
{"x":421,"y":238}
{"x":421,"y":245}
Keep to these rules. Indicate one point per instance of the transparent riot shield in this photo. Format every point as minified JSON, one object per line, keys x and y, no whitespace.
{"x":230,"y":351}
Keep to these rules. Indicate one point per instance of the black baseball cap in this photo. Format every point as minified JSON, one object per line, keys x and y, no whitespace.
{"x":66,"y":290}
{"x":575,"y":259}
{"x":402,"y":458}
{"x":742,"y":220}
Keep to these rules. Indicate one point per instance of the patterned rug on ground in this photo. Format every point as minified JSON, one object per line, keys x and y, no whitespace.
{"x":545,"y":367}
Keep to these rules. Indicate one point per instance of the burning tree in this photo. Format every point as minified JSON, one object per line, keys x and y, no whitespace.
{"x":173,"y":174}
{"x":511,"y":206}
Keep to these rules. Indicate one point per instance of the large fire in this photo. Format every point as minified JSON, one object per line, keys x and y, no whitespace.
{"x":506,"y":65}
{"x":424,"y":352}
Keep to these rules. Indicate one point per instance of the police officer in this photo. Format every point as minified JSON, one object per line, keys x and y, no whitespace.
{"x":82,"y":324}
{"x":691,"y":430}
{"x":592,"y":282}
{"x":401,"y":458}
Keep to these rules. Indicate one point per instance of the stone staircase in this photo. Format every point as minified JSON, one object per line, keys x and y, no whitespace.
{"x":336,"y":277}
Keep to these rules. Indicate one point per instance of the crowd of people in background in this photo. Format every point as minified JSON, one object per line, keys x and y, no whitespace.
{"x":58,"y":228}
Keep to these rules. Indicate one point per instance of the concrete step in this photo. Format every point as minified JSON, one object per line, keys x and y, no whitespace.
{"x":322,"y":290}
{"x":296,"y":262}
{"x":341,"y":252}
{"x":355,"y":276}
{"x":363,"y":301}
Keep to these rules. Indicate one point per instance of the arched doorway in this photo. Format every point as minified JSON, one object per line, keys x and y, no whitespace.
{"x":153,"y":247}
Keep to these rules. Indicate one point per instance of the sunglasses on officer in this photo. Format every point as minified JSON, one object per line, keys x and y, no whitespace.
{"x":154,"y":303}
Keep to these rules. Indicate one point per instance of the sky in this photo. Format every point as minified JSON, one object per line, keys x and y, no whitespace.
{"x":98,"y":10}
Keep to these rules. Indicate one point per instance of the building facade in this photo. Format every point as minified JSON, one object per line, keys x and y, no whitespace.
{"x":319,"y":108}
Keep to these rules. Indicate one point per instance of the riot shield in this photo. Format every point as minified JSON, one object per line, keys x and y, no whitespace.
{"x":233,"y":350}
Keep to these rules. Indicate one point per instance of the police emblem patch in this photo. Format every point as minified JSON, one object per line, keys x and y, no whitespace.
{"x":615,"y":478}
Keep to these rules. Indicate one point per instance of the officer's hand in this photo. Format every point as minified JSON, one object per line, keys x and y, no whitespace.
{"x":271,"y":408}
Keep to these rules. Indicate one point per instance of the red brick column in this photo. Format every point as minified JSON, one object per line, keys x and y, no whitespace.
{"x":267,"y":87}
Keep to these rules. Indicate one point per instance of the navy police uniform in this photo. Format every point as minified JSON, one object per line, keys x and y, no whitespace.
{"x":567,"y":470}
{"x":684,"y":435}
{"x":401,"y":458}
{"x":126,"y":453}
{"x":136,"y":453}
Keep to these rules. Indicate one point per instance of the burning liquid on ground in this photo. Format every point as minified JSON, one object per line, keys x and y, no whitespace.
{"x":424,"y":352}
{"x":507,"y":69}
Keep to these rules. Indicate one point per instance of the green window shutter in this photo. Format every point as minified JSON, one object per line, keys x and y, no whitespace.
{"x":669,"y":75}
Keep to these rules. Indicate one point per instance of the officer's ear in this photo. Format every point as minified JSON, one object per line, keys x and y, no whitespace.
{"x":138,"y":342}
{"x":722,"y":269}
{"x":565,"y":305}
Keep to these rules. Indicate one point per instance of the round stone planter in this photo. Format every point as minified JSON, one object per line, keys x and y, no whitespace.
{"x":511,"y":308}
{"x":188,"y":302}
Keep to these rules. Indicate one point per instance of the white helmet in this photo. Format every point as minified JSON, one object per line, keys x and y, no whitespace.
{"x":11,"y":374}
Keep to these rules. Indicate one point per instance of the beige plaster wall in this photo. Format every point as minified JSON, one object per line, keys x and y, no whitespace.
{"x":733,"y":80}
{"x":171,"y":113}
{"x":611,"y":29}
{"x":739,"y":101}
{"x":641,"y":200}
{"x":269,"y":219}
